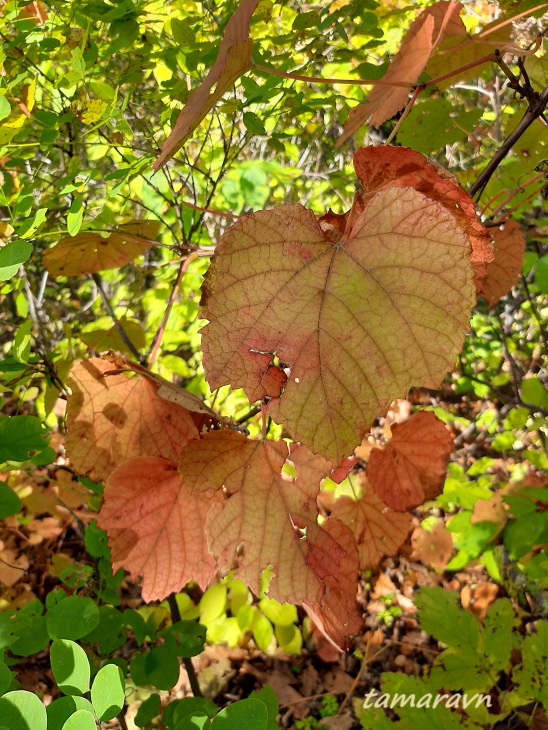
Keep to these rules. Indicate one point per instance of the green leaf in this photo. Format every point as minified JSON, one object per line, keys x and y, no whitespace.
{"x":75,"y":216}
{"x":268,"y":696}
{"x":159,"y":668}
{"x":11,"y":258}
{"x":442,"y":617}
{"x":250,"y":714}
{"x":531,"y":676}
{"x":183,"y":33}
{"x":253,"y":124}
{"x":5,"y":107}
{"x":10,"y":504}
{"x":109,"y":626}
{"x":6,"y":676}
{"x":29,"y":629}
{"x":263,"y":633}
{"x":279,"y":614}
{"x":19,"y":435}
{"x":108,"y":692}
{"x":81,"y":720}
{"x":187,"y":638}
{"x":534,"y":393}
{"x":522,"y":534}
{"x":148,"y":710}
{"x":541,"y":274}
{"x":497,"y":633}
{"x":60,"y":710}
{"x":72,"y":618}
{"x":308,"y":19}
{"x":22,"y":710}
{"x":70,"y":667}
{"x":22,"y":342}
{"x":30,"y":226}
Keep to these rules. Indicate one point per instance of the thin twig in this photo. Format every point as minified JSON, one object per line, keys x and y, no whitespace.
{"x":99,"y":283}
{"x":189,"y":666}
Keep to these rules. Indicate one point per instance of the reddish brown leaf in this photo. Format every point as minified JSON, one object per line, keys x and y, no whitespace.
{"x":503,"y":273}
{"x":377,"y":529}
{"x":386,"y":167}
{"x":429,"y":29}
{"x":114,"y":418}
{"x":337,"y":615}
{"x":434,"y":547}
{"x":269,"y":519}
{"x":233,"y":60}
{"x":155,"y":528}
{"x":88,"y":253}
{"x":411,"y":469}
{"x":355,"y":321}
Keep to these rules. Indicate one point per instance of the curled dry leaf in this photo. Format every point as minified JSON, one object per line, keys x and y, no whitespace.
{"x":411,"y":469}
{"x":428,"y":31}
{"x":377,"y":529}
{"x":233,"y":60}
{"x":114,"y":418}
{"x":503,"y":273}
{"x":155,"y":528}
{"x":88,"y":253}
{"x":353,"y":320}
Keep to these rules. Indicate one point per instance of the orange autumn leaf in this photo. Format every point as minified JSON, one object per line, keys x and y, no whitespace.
{"x":384,"y":167}
{"x":353,"y":318}
{"x":114,"y":418}
{"x":337,"y":615}
{"x":155,"y":528}
{"x":433,"y":547}
{"x":412,"y":468}
{"x":428,"y":31}
{"x":377,"y":529}
{"x":88,"y":253}
{"x":269,"y":519}
{"x":233,"y":60}
{"x":503,"y":273}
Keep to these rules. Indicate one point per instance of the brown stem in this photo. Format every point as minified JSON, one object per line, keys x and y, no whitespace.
{"x":155,"y":346}
{"x":189,"y":666}
{"x":537,"y":105}
{"x":321,"y":80}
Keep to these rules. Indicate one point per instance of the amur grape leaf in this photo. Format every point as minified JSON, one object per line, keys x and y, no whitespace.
{"x":412,"y":468}
{"x":156,"y":528}
{"x":377,"y":529}
{"x":88,"y":253}
{"x":433,"y":25}
{"x":270,"y":519}
{"x":112,"y":418}
{"x":354,"y":310}
{"x":503,"y":273}
{"x":233,"y":60}
{"x":385,"y":167}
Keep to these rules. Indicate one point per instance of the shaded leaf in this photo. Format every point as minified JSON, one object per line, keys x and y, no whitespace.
{"x":503,"y":273}
{"x":88,"y":253}
{"x":377,"y":529}
{"x":356,"y":318}
{"x":411,"y":469}
{"x":233,"y":60}
{"x":156,"y":527}
{"x":114,"y":418}
{"x":429,"y":29}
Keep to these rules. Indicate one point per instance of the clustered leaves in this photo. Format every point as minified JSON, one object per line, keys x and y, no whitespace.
{"x":324,"y":320}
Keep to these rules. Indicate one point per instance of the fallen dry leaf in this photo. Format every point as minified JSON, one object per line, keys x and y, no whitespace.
{"x":434,"y":547}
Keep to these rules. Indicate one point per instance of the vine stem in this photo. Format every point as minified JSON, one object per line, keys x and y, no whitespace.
{"x":99,"y":283}
{"x":155,"y":346}
{"x":189,"y":666}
